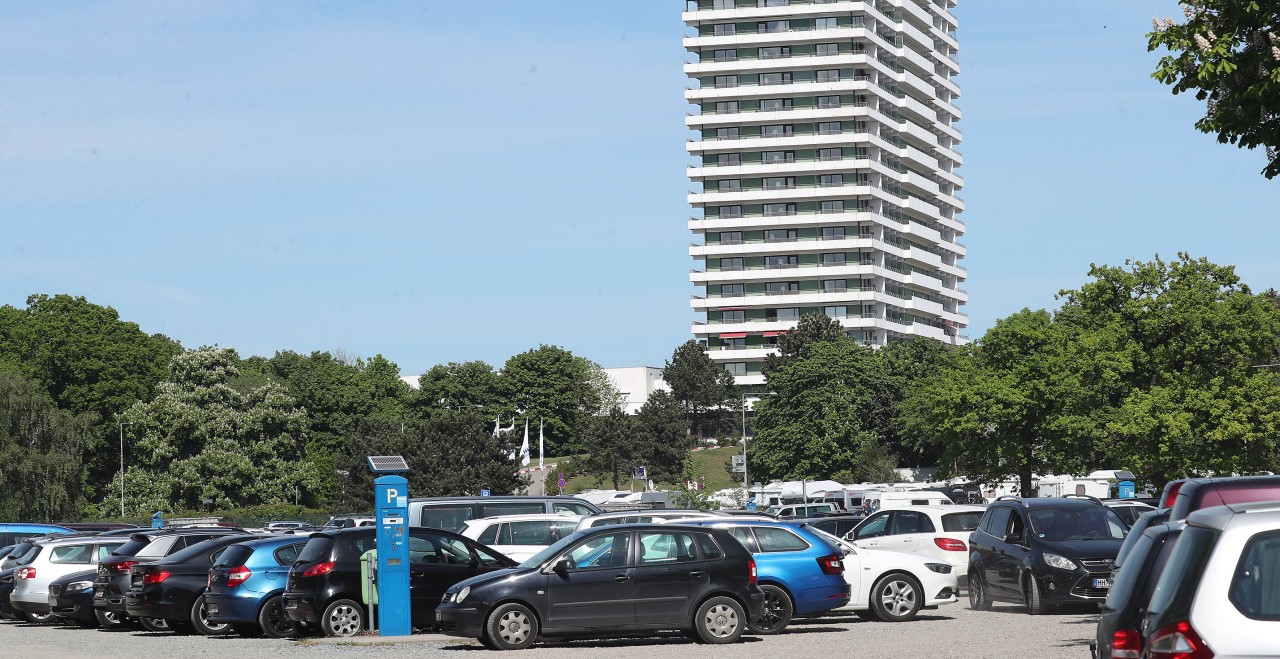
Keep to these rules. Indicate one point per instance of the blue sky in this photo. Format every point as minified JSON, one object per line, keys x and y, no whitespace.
{"x":443,"y":181}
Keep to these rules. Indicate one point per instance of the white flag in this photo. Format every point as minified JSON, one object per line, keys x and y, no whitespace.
{"x":524,"y":448}
{"x":540,"y":444}
{"x":497,"y":421}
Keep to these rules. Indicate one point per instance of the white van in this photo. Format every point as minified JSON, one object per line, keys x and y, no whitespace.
{"x":881,"y":500}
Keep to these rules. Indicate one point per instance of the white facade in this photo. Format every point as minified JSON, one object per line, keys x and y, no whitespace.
{"x":636,"y":383}
{"x":825,"y":171}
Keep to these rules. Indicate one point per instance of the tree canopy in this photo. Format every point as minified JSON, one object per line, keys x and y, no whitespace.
{"x":41,"y":453}
{"x":559,"y":388}
{"x":704,"y":390}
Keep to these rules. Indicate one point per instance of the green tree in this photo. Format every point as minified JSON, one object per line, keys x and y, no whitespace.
{"x":41,"y":453}
{"x":614,"y":447}
{"x":704,"y":390}
{"x":907,"y":364}
{"x":559,"y":388}
{"x":1228,"y":53}
{"x":200,"y":439}
{"x":664,"y":437}
{"x":820,"y":416}
{"x":456,"y":385}
{"x":811,"y":328}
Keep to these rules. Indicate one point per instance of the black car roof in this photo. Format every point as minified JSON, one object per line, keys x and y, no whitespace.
{"x":1048,"y":502}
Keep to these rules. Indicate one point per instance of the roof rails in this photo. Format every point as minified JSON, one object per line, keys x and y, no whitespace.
{"x":1008,"y":497}
{"x":1084,"y":496}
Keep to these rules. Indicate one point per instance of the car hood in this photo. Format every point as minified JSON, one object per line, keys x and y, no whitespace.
{"x":490,"y":577}
{"x":1083,"y":548}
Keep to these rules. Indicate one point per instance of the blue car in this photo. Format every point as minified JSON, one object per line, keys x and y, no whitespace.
{"x":13,"y":533}
{"x":245,"y":585}
{"x":800,"y":573}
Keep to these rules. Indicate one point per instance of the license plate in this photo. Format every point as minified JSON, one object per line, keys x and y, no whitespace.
{"x":99,"y":594}
{"x":53,"y":601}
{"x":439,"y":617}
{"x":1101,"y":583}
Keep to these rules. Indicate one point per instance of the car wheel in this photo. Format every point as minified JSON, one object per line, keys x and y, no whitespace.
{"x":342,"y":618}
{"x":109,"y":619}
{"x":512,"y":626}
{"x":896,"y":597}
{"x":486,"y":641}
{"x":1031,"y":594}
{"x":38,"y":618}
{"x":155,"y":624}
{"x":978,"y":600}
{"x":720,"y":620}
{"x":200,"y":620}
{"x":776,"y":613}
{"x":246,"y":629}
{"x":273,"y":622}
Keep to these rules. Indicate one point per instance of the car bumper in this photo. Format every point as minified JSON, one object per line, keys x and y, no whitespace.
{"x":231,"y":608}
{"x":940,"y":588}
{"x":30,"y":606}
{"x":1076,"y":586}
{"x":108,"y":598}
{"x":825,"y":598}
{"x":152,"y":605}
{"x":300,"y":608}
{"x":460,"y":620}
{"x":81,"y":609}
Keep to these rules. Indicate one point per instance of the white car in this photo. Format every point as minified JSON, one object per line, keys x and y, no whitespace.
{"x":1128,"y":510}
{"x":901,"y":584}
{"x":54,"y":559}
{"x":1218,"y":595}
{"x":658,"y":516}
{"x":939,"y":532}
{"x":520,"y":536}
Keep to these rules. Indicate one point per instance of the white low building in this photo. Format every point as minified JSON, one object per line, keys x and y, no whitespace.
{"x":636,"y":384}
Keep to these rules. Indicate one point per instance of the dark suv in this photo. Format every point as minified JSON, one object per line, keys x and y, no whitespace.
{"x":144,"y":547}
{"x":1041,"y":552}
{"x":324,"y":590}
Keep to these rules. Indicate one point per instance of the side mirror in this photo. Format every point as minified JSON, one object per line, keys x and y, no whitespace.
{"x":1013,"y":538}
{"x":561,"y":567}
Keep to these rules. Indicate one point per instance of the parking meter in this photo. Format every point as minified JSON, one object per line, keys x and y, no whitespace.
{"x":391,"y":502}
{"x":1126,"y":489}
{"x":157,"y":520}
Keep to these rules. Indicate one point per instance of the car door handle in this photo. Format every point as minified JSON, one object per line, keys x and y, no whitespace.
{"x":698,"y":574}
{"x":621,"y":578}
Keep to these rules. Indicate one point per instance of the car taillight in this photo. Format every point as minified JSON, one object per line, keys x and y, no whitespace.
{"x":122,"y":566}
{"x":239,"y":575}
{"x":325,"y":568}
{"x":1177,"y":641}
{"x":1172,"y":495}
{"x":1125,"y":644}
{"x":26,"y":573}
{"x":154,"y":576}
{"x":950,"y":544}
{"x":831,"y":564}
{"x":751,"y":571}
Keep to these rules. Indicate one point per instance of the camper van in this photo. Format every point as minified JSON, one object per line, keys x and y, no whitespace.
{"x":881,"y":500}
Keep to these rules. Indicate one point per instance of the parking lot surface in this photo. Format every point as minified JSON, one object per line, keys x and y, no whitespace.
{"x":950,"y":631}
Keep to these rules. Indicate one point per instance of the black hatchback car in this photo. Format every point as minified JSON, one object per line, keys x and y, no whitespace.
{"x":1042,"y":552}
{"x":324,"y":589}
{"x":611,"y":580}
{"x":144,"y":547}
{"x":172,"y":588}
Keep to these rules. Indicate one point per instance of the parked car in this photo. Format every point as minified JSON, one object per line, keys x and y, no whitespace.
{"x":1043,"y":551}
{"x":797,"y":510}
{"x":147,"y":546}
{"x":1218,"y":595}
{"x":172,"y":588}
{"x":11,"y":533}
{"x":246,"y":583}
{"x":324,"y":587}
{"x":656,"y":516}
{"x":54,"y":559}
{"x":6,"y":589}
{"x":940,"y":532}
{"x":520,"y":536}
{"x":1128,"y":509}
{"x":71,"y":598}
{"x":893,"y":586}
{"x":1131,"y":587}
{"x":610,"y":580}
{"x":349,"y":522}
{"x":876,"y":501}
{"x":800,"y":573}
{"x":1197,"y":493}
{"x":450,"y":513}
{"x":837,"y":525}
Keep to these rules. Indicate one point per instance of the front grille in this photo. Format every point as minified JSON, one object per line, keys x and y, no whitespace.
{"x":1098,"y":565}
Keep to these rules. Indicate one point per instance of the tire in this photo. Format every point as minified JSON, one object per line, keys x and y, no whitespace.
{"x":246,"y":629}
{"x":486,"y":641}
{"x":720,"y":620}
{"x":896,"y":597}
{"x":155,"y":624}
{"x":511,"y":626}
{"x":978,"y":600}
{"x":200,"y":620}
{"x":342,"y":618}
{"x":109,"y":619}
{"x":39,"y":618}
{"x":273,"y":623}
{"x":1031,"y":596}
{"x":776,"y":613}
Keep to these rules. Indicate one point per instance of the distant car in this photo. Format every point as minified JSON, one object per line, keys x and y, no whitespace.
{"x":893,"y":586}
{"x":520,"y":536}
{"x":837,"y":525}
{"x":324,"y":587}
{"x":656,"y":516}
{"x":450,"y":513}
{"x":246,"y":583}
{"x":1128,"y":509}
{"x":801,"y":573}
{"x":791,"y":511}
{"x":1118,"y":632}
{"x":1043,"y":551}
{"x":12,"y":533}
{"x":347,"y":523}
{"x":71,"y":598}
{"x":941,"y":532}
{"x":609,"y":580}
{"x":1218,"y":595}
{"x":54,"y":559}
{"x":172,"y":588}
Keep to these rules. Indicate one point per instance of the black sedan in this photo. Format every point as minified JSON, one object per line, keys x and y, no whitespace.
{"x":172,"y":589}
{"x":612,"y":580}
{"x":324,"y":588}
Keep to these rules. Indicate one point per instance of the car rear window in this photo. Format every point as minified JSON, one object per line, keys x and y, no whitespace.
{"x":961,"y":522}
{"x":1126,"y":579}
{"x":317,"y":550}
{"x":1255,"y":590}
{"x":234,"y":556}
{"x":1177,"y":586}
{"x":132,"y":547}
{"x":158,"y":547}
{"x":774,"y":539}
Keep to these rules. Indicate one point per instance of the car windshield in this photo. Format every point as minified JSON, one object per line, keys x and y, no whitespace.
{"x":546,"y":554}
{"x":1085,"y":523}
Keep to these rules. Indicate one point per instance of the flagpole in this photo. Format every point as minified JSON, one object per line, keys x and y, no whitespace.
{"x":540,"y":444}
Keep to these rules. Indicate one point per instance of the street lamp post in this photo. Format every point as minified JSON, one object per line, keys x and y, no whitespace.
{"x":122,"y":425}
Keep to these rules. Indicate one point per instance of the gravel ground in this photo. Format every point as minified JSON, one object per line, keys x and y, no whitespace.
{"x":950,"y":631}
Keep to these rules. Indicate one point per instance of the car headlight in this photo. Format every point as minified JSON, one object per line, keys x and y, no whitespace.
{"x":80,"y":585}
{"x":940,"y":568}
{"x":1060,"y":562}
{"x":462,"y":594}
